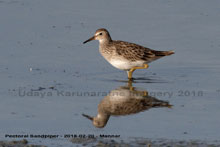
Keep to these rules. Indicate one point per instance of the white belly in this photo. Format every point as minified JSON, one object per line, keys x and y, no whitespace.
{"x":120,"y":62}
{"x":125,"y":64}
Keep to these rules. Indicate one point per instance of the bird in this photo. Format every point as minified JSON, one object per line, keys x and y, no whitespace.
{"x":125,"y":55}
{"x":124,"y":100}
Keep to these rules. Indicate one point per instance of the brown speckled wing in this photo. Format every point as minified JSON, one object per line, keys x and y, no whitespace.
{"x":133,"y":51}
{"x":133,"y":105}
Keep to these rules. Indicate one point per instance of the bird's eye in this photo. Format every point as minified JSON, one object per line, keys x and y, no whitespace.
{"x":100,"y":33}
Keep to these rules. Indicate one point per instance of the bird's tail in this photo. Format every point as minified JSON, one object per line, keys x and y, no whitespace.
{"x":164,"y":53}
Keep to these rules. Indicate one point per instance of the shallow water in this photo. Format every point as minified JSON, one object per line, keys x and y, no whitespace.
{"x":49,"y":78}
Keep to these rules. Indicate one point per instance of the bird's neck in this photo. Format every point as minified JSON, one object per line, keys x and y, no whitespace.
{"x":104,"y":117}
{"x":105,"y":41}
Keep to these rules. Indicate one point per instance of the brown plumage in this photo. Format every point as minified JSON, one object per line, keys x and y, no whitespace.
{"x":134,"y":52}
{"x":125,"y":100}
{"x":125,"y":55}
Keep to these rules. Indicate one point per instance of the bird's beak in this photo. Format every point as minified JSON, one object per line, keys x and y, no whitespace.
{"x":87,"y":116}
{"x":90,"y":39}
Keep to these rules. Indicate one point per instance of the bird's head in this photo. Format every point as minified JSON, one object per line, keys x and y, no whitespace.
{"x":101,"y":34}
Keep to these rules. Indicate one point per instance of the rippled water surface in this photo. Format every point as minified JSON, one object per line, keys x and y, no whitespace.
{"x":49,"y":78}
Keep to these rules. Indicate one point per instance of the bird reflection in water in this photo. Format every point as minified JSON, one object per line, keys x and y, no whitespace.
{"x":124,"y":100}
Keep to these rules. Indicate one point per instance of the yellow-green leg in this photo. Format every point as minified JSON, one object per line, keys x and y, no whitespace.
{"x":130,"y":84}
{"x":131,"y":88}
{"x":134,"y":68}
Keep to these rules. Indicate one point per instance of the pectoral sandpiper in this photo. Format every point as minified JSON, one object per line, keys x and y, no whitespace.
{"x":125,"y":100}
{"x":124,"y":55}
